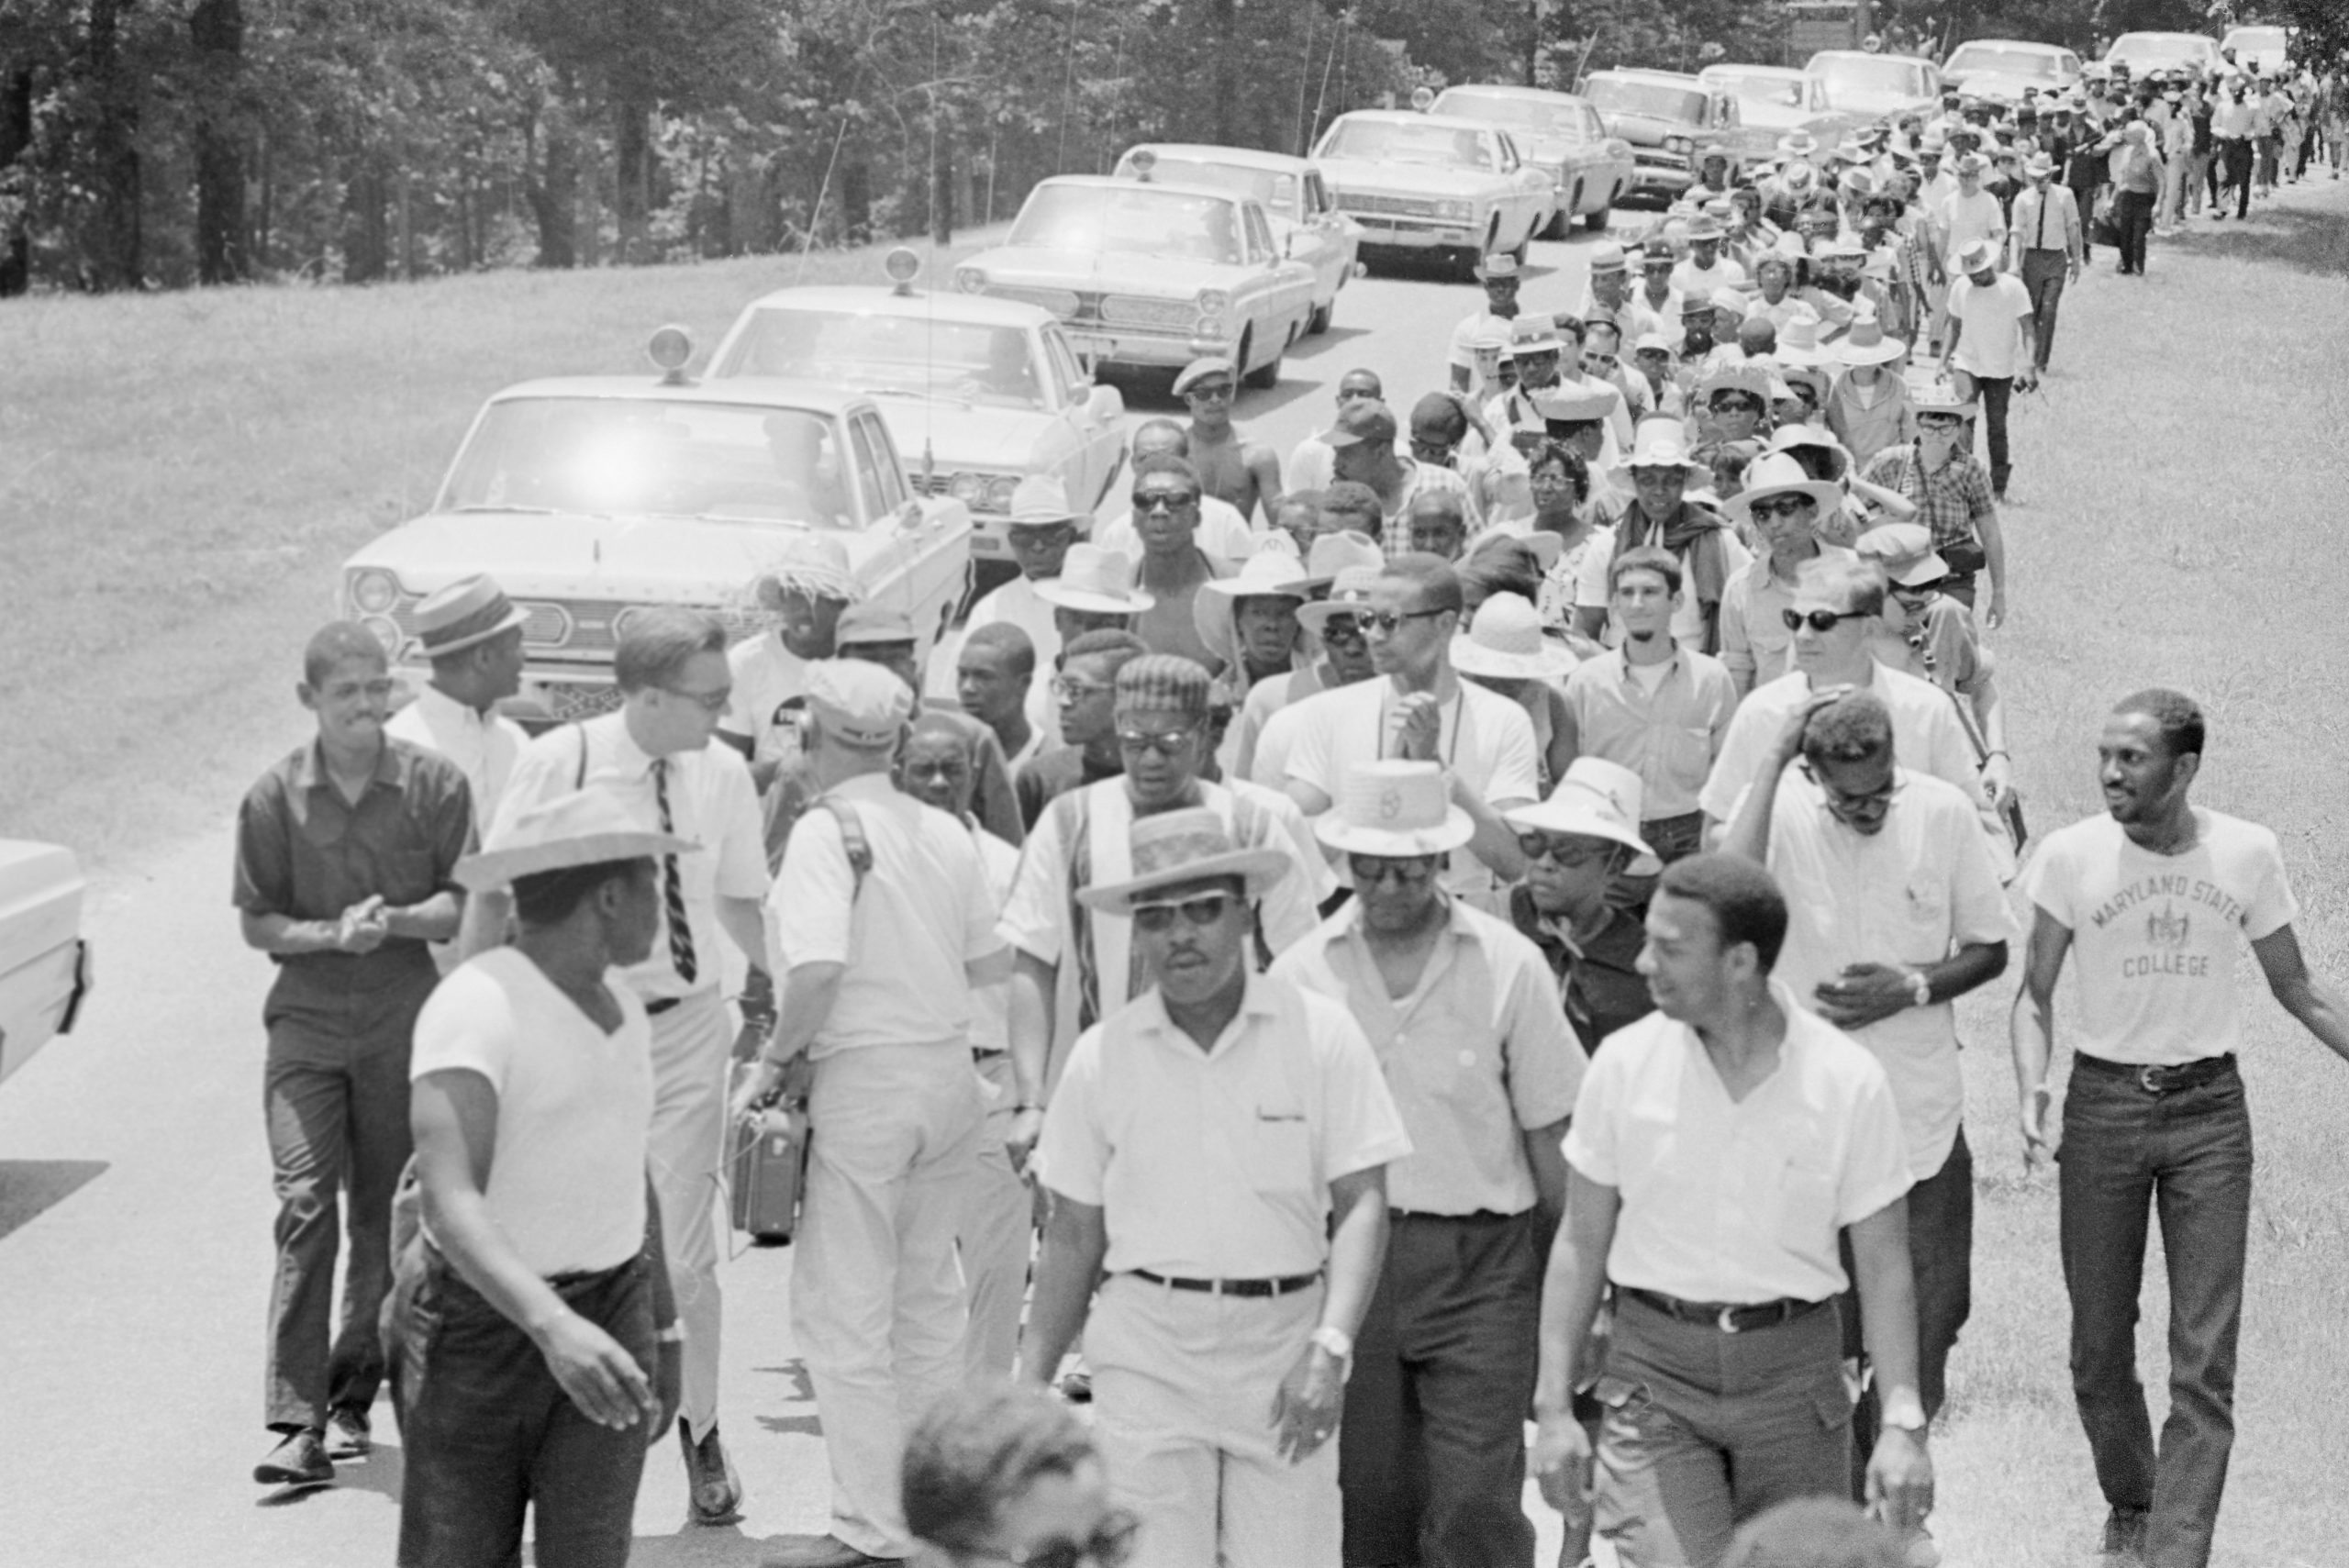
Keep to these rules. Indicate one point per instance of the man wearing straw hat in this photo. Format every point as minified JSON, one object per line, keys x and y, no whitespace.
{"x":471,"y":634}
{"x":655,"y":757}
{"x":1248,"y":620}
{"x":1658,"y":473}
{"x":881,"y":967}
{"x":2049,"y":249}
{"x":1581,"y":845}
{"x":1706,"y":272}
{"x":1784,"y":507}
{"x":1216,"y":1152}
{"x":1465,"y":1020}
{"x":1936,"y":471}
{"x":553,"y":1355}
{"x":1350,"y":564}
{"x":1041,"y":529}
{"x":346,"y":850}
{"x":804,"y":590}
{"x":1499,"y":275}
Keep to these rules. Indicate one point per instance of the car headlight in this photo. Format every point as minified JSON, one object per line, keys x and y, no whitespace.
{"x":1679,"y":144}
{"x":967,"y":488}
{"x":373,"y":591}
{"x":971,"y":280}
{"x":626,"y":621}
{"x":1458,"y":212}
{"x":998,"y":493}
{"x":388,"y":632}
{"x":1213,"y":303}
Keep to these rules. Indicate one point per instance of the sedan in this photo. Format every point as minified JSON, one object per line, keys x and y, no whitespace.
{"x":1561,"y":134}
{"x":1423,"y":184}
{"x":2001,"y":68}
{"x":1772,"y":100}
{"x":44,"y":962}
{"x":1877,"y":86}
{"x":2144,"y":53}
{"x":1305,"y":218}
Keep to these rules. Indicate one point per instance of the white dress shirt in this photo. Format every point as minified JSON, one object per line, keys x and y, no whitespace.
{"x":484,"y":745}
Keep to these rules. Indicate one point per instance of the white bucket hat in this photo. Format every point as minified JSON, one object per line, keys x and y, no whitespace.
{"x":1779,"y":473}
{"x":1661,"y":443}
{"x":1505,"y":641}
{"x":1396,"y":809}
{"x":1597,"y":799}
{"x":1096,"y":580}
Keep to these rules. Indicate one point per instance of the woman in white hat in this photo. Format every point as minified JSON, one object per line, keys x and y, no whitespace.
{"x":1505,"y":650}
{"x":1580,"y":845}
{"x":1868,"y":408}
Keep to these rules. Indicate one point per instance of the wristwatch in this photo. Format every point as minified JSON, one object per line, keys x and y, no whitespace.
{"x":1906,"y":1416}
{"x":1921,"y":990}
{"x":1337,"y":1341}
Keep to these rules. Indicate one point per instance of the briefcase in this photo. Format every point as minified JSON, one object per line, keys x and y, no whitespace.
{"x":769,"y":1162}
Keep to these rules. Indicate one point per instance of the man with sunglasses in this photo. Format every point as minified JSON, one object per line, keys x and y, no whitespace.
{"x":1041,"y":529}
{"x":1833,"y":616}
{"x":1243,"y":473}
{"x":1581,"y":901}
{"x":1267,"y":724}
{"x":1784,"y":505}
{"x":1465,"y":1020}
{"x":1895,"y":912}
{"x":1310,"y":463}
{"x":1077,"y":964}
{"x":654,"y":755}
{"x":1420,"y":710}
{"x":1171,"y":568}
{"x":1222,"y":532}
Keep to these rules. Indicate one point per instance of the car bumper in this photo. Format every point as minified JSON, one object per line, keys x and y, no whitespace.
{"x":1144,"y":350}
{"x":1382,"y":232}
{"x":1675,"y":176}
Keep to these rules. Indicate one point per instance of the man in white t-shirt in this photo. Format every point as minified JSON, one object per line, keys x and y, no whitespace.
{"x":1498,"y":273}
{"x":532,"y":1073}
{"x":1706,"y":272}
{"x":1420,"y":710}
{"x":1992,"y":337}
{"x":2150,"y":897}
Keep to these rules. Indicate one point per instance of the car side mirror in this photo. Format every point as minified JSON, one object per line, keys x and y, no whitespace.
{"x":910,"y":516}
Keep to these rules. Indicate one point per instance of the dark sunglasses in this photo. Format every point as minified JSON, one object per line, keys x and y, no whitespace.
{"x":1111,"y":1543}
{"x":1388,"y":620}
{"x":1199,"y":910}
{"x":1370,"y":869}
{"x":1565,"y":850}
{"x":1821,"y":620}
{"x":1783,"y":507}
{"x":1162,"y":502}
{"x":1342,"y":629}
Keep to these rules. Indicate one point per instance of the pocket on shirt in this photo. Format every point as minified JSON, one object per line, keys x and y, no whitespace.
{"x":1688,"y":752}
{"x":1922,"y":929}
{"x":1277,"y":1149}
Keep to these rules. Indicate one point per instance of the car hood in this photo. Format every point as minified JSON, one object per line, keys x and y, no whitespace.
{"x":569,"y":555}
{"x":1407,"y":179}
{"x":1871,"y":104}
{"x":1002,"y":440}
{"x":1648,"y":130}
{"x":1111,"y":273}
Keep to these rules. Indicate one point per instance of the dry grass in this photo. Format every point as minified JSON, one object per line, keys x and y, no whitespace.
{"x":2179,"y":490}
{"x":181,"y":474}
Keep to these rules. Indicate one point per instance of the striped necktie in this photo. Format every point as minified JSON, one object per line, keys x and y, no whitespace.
{"x":673,"y":891}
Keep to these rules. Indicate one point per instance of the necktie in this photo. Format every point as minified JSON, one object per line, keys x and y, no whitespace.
{"x":673,"y":891}
{"x":2040,"y":243}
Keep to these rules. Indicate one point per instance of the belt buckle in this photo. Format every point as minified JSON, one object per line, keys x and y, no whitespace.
{"x":1726,"y":1322}
{"x":2150,"y":1080}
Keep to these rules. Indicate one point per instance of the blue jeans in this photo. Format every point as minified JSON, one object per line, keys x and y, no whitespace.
{"x":2185,"y":1155}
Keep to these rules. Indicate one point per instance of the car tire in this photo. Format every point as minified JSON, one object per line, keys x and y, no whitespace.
{"x":1267,"y":375}
{"x":1318,"y":322}
{"x":1597,"y":222}
{"x":1562,"y":221}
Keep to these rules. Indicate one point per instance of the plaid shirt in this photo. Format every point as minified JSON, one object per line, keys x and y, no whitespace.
{"x":1949,"y":503}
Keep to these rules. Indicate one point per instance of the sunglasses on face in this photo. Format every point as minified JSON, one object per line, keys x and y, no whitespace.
{"x":1111,"y":1543}
{"x":1200,"y":910}
{"x":1386,"y":621}
{"x":708,"y":701}
{"x":1915,"y":593}
{"x":1212,"y":392}
{"x":1782,"y":506}
{"x":1409,"y":872}
{"x":1165,"y":742}
{"x":1822,"y":621}
{"x":1342,"y":629}
{"x":1162,"y":501}
{"x":1563,"y":850}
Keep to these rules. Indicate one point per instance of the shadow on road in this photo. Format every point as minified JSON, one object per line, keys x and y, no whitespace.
{"x":29,"y":1187}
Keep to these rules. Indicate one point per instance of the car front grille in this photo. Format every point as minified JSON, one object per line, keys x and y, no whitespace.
{"x":1131,"y":310}
{"x":1060,"y":302}
{"x":1405,"y":206}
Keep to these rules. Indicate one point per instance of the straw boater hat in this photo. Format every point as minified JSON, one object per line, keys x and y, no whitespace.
{"x":1505,"y":642}
{"x":1094,"y":579}
{"x":1607,"y":256}
{"x":1865,"y":344}
{"x":812,"y":565}
{"x":1041,"y":501}
{"x":465,"y":614}
{"x":1940,"y":397}
{"x":1499,"y":264}
{"x":1905,"y":550}
{"x":1595,"y":799}
{"x":1798,"y":144}
{"x":1171,"y":849}
{"x":1661,"y":443}
{"x":1571,"y":402}
{"x":583,"y":828}
{"x":1397,"y":811}
{"x":1349,"y":595}
{"x":1535,"y":334}
{"x":1780,"y":475}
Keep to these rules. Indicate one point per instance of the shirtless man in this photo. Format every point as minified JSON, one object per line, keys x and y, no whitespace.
{"x":1231,"y":468}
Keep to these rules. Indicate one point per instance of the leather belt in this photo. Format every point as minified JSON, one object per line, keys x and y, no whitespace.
{"x":1474,"y":1217}
{"x":1729,"y":1317}
{"x":1249,"y":1287}
{"x":2160,"y":1080}
{"x":654,"y":1009}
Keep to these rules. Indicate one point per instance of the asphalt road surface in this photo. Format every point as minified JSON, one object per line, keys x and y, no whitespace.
{"x":134,"y":1208}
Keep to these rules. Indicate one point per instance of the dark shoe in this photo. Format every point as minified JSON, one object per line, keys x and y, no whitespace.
{"x":2124,"y":1539}
{"x":349,"y":1435}
{"x":299,"y":1460}
{"x":1077,"y":1387}
{"x":713,"y":1492}
{"x":823,"y":1552}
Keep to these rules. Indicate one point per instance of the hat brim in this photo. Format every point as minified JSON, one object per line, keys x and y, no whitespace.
{"x":1353,"y":839}
{"x":1927,"y":568}
{"x":1085,"y":599}
{"x":1315,"y":614}
{"x":491,"y":869}
{"x":1627,"y":468}
{"x":1470,"y":657}
{"x":1825,"y":495}
{"x":1238,"y":586}
{"x":1259,"y":869}
{"x":1883,"y":352}
{"x":514,"y":615}
{"x":1554,"y":815}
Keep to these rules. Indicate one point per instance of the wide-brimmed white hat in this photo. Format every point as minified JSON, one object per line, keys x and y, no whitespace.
{"x":1777,"y":473}
{"x":1595,"y":799}
{"x":1168,"y":849}
{"x":1977,"y":256}
{"x":1786,"y":438}
{"x":1865,"y":344}
{"x":1336,"y":553}
{"x":1215,"y":609}
{"x":1505,"y":641}
{"x":583,"y":829}
{"x":1798,"y":340}
{"x":1906,"y":553}
{"x":1041,"y":500}
{"x":1660,"y":443}
{"x":1747,"y":376}
{"x":1399,"y":810}
{"x":1096,"y":580}
{"x":1349,"y":595}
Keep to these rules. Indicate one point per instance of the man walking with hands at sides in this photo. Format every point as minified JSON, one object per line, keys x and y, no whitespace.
{"x":655,"y":756}
{"x":1217,"y":1154}
{"x":2149,"y":896}
{"x":2048,"y":248}
{"x":882,"y":964}
{"x":554,"y":1356}
{"x":1718,"y":1148}
{"x":1993,"y":337}
{"x":346,"y":857}
{"x":1466,"y":1019}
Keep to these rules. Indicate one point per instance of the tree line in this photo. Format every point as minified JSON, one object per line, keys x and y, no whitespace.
{"x":162,"y":143}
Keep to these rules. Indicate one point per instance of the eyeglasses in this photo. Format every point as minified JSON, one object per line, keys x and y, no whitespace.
{"x":1386,"y":621}
{"x":1026,"y":537}
{"x":1567,"y":850}
{"x":1847,"y":800}
{"x":1069,"y":689}
{"x":1551,"y":479}
{"x":1162,"y":502}
{"x":1916,"y":593}
{"x":709,"y":702}
{"x":1111,"y":1543}
{"x":1822,"y":621}
{"x":1165,"y":742}
{"x":1199,"y":910}
{"x":1212,"y":392}
{"x":1938,"y":421}
{"x":1734,"y":403}
{"x":1782,"y":506}
{"x":1407,"y":871}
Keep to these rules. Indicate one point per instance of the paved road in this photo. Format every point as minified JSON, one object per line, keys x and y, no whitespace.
{"x":134,"y":1208}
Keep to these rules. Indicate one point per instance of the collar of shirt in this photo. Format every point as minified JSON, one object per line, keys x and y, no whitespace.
{"x":392,"y":766}
{"x":1255,"y":1003}
{"x":1348,"y":937}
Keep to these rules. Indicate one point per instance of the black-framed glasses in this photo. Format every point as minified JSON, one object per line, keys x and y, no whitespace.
{"x":1025,"y":538}
{"x":1565,"y":850}
{"x":1822,"y":621}
{"x":1159,"y":500}
{"x":1070,"y":689}
{"x":1938,"y":421}
{"x":1110,"y":1544}
{"x":1200,"y":909}
{"x":1386,"y":621}
{"x":1165,"y":742}
{"x":1789,"y":505}
{"x":1212,"y":391}
{"x":1410,"y":870}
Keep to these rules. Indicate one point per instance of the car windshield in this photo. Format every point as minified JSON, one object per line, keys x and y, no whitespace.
{"x":1660,"y":100}
{"x":1130,"y":219}
{"x":903,"y":356}
{"x":2005,"y":61}
{"x":1408,"y":141}
{"x":1540,"y":115}
{"x":2156,"y":46}
{"x":1850,"y":77}
{"x":1762,"y":88}
{"x":1272,"y":188}
{"x":649,"y":455}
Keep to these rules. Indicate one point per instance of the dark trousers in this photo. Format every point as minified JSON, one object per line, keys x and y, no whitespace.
{"x":2237,"y":155}
{"x":1432,"y":1455}
{"x":1995,"y":392}
{"x":490,"y":1433}
{"x":2085,"y":196}
{"x":1940,"y":1256}
{"x":2043,"y":275}
{"x":2186,"y":1157}
{"x":334,"y":1090}
{"x":2133,"y":215}
{"x":1704,"y":1429}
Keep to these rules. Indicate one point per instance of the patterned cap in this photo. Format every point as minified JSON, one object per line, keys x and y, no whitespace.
{"x":1163,"y":681}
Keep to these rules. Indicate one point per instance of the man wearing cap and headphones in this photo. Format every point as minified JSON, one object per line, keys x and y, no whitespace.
{"x":471,"y":634}
{"x":881,"y":965}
